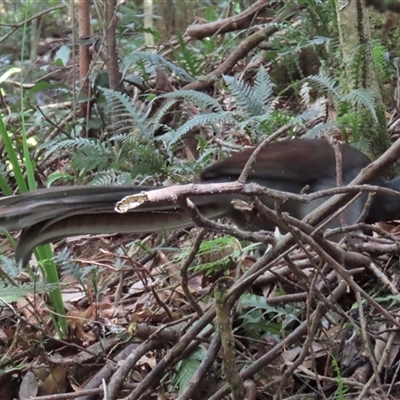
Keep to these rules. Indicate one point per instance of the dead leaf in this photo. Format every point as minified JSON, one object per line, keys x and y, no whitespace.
{"x":56,"y":382}
{"x":29,"y":386}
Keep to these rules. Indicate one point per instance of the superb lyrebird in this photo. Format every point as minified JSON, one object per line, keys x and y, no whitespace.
{"x":51,"y":214}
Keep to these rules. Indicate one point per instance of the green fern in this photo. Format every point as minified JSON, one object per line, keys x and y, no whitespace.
{"x":190,"y":58}
{"x":355,"y":124}
{"x":117,"y":157}
{"x":362,"y":97}
{"x":262,"y":319}
{"x":320,"y":129}
{"x":96,"y":155}
{"x":258,"y":122}
{"x":130,"y":150}
{"x":381,"y":59}
{"x":341,"y":390}
{"x":10,"y":268}
{"x":104,"y":178}
{"x":127,"y":113}
{"x":325,"y":84}
{"x":185,"y":369}
{"x":151,"y":61}
{"x":357,"y":109}
{"x":173,"y":136}
{"x":263,"y":88}
{"x":254,"y":100}
{"x":161,"y":113}
{"x":11,"y":293}
{"x":199,"y":99}
{"x":357,"y":65}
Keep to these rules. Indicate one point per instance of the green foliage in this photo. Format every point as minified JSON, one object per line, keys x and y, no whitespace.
{"x":319,"y":17}
{"x":120,"y":157}
{"x":360,"y":98}
{"x":189,"y":59}
{"x":357,"y":109}
{"x":341,"y":390}
{"x":9,"y":267}
{"x":391,"y":299}
{"x":4,"y":181}
{"x":199,"y":99}
{"x":197,"y":121}
{"x":263,"y":320}
{"x":325,"y":84}
{"x":288,"y":47}
{"x":128,"y":114}
{"x":382,"y":60}
{"x":43,"y":253}
{"x":214,"y":246}
{"x":253,"y":100}
{"x":255,"y":113}
{"x":133,"y":138}
{"x":186,"y":368}
{"x":149,"y":62}
{"x":134,"y":150}
{"x":10,"y":293}
{"x":87,"y":276}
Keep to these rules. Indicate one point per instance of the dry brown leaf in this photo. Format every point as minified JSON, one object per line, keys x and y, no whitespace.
{"x":3,"y":336}
{"x":56,"y":382}
{"x":381,"y":344}
{"x":40,"y":309}
{"x":79,"y":317}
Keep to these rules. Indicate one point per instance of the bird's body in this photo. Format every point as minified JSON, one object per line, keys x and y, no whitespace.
{"x":50,"y":214}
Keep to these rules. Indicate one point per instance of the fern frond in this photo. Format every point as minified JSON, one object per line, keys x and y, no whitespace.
{"x":357,"y":63}
{"x":256,"y":122}
{"x":199,"y":120}
{"x":324,"y":83}
{"x":61,"y":143}
{"x":305,"y":90}
{"x":145,"y":161}
{"x":96,"y":155}
{"x":255,"y":100}
{"x":242,"y":92}
{"x":263,"y":87}
{"x":199,"y":99}
{"x":187,"y":368}
{"x":319,"y":130}
{"x":381,"y":58}
{"x":10,"y":294}
{"x":153,"y":61}
{"x":362,"y":97}
{"x":128,"y":113}
{"x":111,"y":177}
{"x":191,"y":58}
{"x":156,"y":120}
{"x":10,"y":267}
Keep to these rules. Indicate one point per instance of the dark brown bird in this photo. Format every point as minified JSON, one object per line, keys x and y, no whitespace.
{"x":51,"y":214}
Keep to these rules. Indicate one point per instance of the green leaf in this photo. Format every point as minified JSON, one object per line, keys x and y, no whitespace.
{"x":62,"y":55}
{"x":56,"y":176}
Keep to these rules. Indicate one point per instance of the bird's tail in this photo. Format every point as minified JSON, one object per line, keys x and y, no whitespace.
{"x":52,"y":214}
